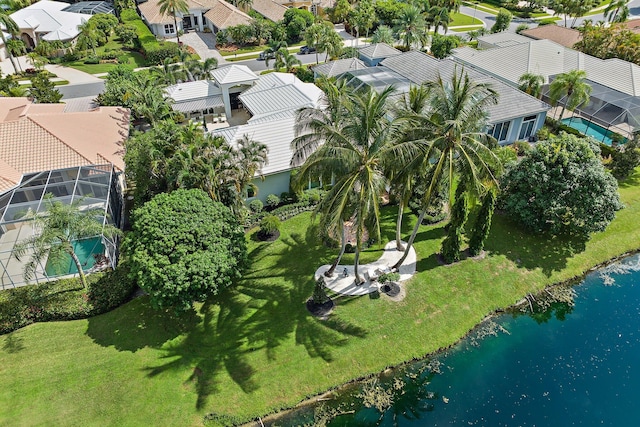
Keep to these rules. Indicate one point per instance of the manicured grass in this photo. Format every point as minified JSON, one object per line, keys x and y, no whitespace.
{"x":460,"y":19}
{"x":257,"y":49}
{"x":134,"y":59}
{"x":258,"y":350}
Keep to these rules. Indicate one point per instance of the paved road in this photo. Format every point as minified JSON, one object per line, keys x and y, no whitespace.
{"x":81,"y":90}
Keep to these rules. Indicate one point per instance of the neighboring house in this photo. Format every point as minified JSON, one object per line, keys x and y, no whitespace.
{"x":373,"y":54}
{"x":272,"y":103}
{"x":564,"y":36}
{"x":633,"y":25}
{"x":314,"y":6}
{"x":501,"y":39}
{"x":615,"y":99}
{"x":335,"y":68}
{"x":270,"y":9}
{"x":517,"y":116}
{"x":48,"y":20}
{"x":44,"y":150}
{"x":212,"y":14}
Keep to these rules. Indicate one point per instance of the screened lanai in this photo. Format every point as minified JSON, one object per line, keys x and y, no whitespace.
{"x":613,"y":110}
{"x":96,"y":187}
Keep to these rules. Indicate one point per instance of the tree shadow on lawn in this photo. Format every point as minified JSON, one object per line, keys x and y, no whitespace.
{"x":532,"y":250}
{"x":12,"y":343}
{"x":631,"y":181}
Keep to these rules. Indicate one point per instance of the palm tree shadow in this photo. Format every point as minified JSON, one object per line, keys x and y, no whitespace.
{"x":12,"y":343}
{"x":528,"y":250}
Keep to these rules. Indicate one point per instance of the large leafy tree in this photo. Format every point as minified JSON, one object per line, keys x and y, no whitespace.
{"x":173,"y":8}
{"x":56,"y":230}
{"x":503,"y":20}
{"x":11,"y":27}
{"x":572,"y":8}
{"x":453,"y":124}
{"x":572,"y":87}
{"x":561,"y":187}
{"x":184,"y":247}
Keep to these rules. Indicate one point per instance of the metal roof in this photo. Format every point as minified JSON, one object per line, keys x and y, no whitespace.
{"x":234,"y":74}
{"x":335,"y":68}
{"x":91,"y":7}
{"x":189,"y":91}
{"x":198,"y":104}
{"x":378,"y":78}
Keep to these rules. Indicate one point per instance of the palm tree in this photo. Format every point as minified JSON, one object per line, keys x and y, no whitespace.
{"x":531,"y":83}
{"x":16,"y":47}
{"x":383,"y":34}
{"x":572,"y":87}
{"x":617,"y":11}
{"x":274,"y":47}
{"x":439,"y":16}
{"x":173,"y":7}
{"x":12,"y":28}
{"x":58,"y":229}
{"x":354,"y":143}
{"x":168,"y":71}
{"x":411,"y":27}
{"x":244,"y":5}
{"x":453,"y":124}
{"x":88,"y":37}
{"x":248,"y":159}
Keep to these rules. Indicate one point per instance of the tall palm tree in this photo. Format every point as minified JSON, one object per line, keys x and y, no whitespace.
{"x":453,"y":124}
{"x":172,"y":8}
{"x":383,"y":34}
{"x":12,"y":28}
{"x":16,"y":47}
{"x":411,"y":27}
{"x":249,"y":157}
{"x":356,"y":150}
{"x":571,"y":86}
{"x":617,"y":11}
{"x":57,"y":230}
{"x":284,"y":59}
{"x":88,"y":37}
{"x":439,"y":16}
{"x":531,"y":83}
{"x":168,"y":71}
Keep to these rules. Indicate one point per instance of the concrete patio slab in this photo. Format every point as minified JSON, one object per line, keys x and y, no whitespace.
{"x":346,"y":285}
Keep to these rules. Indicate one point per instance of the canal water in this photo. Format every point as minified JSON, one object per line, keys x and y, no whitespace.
{"x":569,"y":365}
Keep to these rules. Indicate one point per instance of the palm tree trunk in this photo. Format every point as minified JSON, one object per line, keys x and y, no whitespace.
{"x":175,"y":25}
{"x":13,"y":62}
{"x":399,"y":226}
{"x":343,"y":246}
{"x":317,"y":56}
{"x":358,"y":279}
{"x":83,"y":278}
{"x":397,"y":265}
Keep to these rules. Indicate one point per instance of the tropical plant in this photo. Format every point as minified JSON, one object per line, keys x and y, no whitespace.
{"x":503,"y":20}
{"x":11,"y":27}
{"x":571,"y":87}
{"x":16,"y":47}
{"x":442,"y":45}
{"x":88,"y":37}
{"x":438,"y":16}
{"x":243,"y":5}
{"x":617,"y":11}
{"x":383,"y":34}
{"x":454,"y":124}
{"x":362,"y":17}
{"x":531,"y":83}
{"x":57,"y":230}
{"x":173,"y":8}
{"x":480,"y":230}
{"x":43,"y":91}
{"x":411,"y":27}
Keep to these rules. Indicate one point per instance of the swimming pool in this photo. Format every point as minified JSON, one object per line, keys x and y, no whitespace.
{"x":591,"y":129}
{"x":85,"y":250}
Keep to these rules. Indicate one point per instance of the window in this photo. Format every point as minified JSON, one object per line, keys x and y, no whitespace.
{"x":528,"y":124}
{"x":500,"y":131}
{"x":169,"y":29}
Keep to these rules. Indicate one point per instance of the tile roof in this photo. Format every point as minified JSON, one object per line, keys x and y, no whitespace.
{"x":562,"y":35}
{"x":269,"y":9}
{"x":231,"y":74}
{"x":335,"y":68}
{"x":633,"y":25}
{"x":224,"y":15}
{"x":150,"y":11}
{"x":36,"y":139}
{"x":378,"y":50}
{"x":420,"y":67}
{"x":548,"y":58}
{"x":503,"y":38}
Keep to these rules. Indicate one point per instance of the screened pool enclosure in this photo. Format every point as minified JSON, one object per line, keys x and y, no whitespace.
{"x":97,"y":188}
{"x":611,"y":109}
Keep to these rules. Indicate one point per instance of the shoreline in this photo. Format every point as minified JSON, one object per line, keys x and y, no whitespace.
{"x":574,"y":281}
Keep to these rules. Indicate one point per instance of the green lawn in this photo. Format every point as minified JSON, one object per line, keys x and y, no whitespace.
{"x":258,"y":350}
{"x":257,"y":49}
{"x":460,"y":19}
{"x":134,"y":59}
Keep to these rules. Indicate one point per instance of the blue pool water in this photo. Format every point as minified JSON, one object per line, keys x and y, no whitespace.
{"x":566,"y":366}
{"x":85,"y":250}
{"x":599,"y":133}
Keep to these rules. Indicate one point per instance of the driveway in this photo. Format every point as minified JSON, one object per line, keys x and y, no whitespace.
{"x":204,"y":44}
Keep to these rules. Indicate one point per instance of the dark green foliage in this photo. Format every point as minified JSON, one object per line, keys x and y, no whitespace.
{"x":92,"y":60}
{"x":269,"y":226}
{"x":43,"y":90}
{"x":63,"y":299}
{"x":503,"y":20}
{"x":561,"y":187}
{"x":625,"y":159}
{"x":522,"y":147}
{"x":436,"y":210}
{"x":482,"y":224}
{"x":442,"y":46}
{"x":296,"y":21}
{"x":153,"y":50}
{"x":389,"y":277}
{"x":319,"y":293}
{"x":127,"y":34}
{"x":451,"y":244}
{"x":388,"y":11}
{"x":256,"y":205}
{"x":304,"y":73}
{"x":272,"y":201}
{"x":156,"y":53}
{"x":184,"y":247}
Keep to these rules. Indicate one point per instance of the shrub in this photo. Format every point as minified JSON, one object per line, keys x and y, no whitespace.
{"x":92,"y":60}
{"x":547,"y":21}
{"x":314,"y":195}
{"x":303,"y":197}
{"x":522,"y":147}
{"x":272,"y":201}
{"x":389,"y":277}
{"x":543,"y":134}
{"x":256,"y":205}
{"x":520,"y":28}
{"x":157,"y":52}
{"x":349,"y":248}
{"x":269,"y":226}
{"x":286,"y":197}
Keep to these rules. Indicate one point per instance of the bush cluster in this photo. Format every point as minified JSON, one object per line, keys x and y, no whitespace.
{"x":306,"y":201}
{"x":155,"y":52}
{"x":63,"y":299}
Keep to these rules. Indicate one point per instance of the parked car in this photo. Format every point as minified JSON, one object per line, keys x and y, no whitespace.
{"x":306,"y":49}
{"x":264,"y":55}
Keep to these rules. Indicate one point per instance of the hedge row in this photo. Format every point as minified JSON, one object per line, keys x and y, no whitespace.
{"x":154,"y":51}
{"x":63,"y":299}
{"x":283,"y":213}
